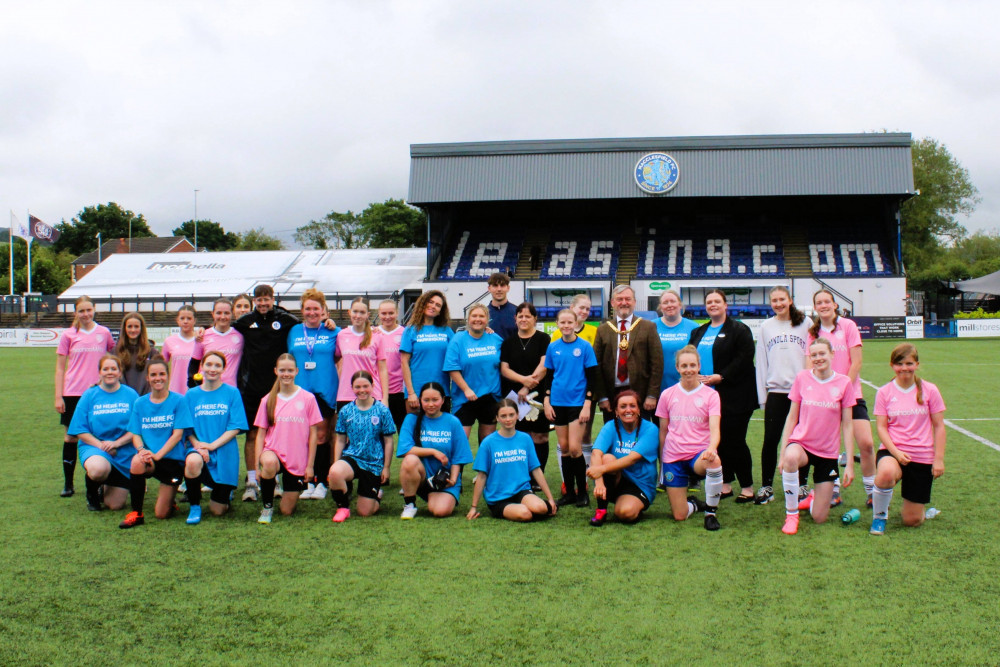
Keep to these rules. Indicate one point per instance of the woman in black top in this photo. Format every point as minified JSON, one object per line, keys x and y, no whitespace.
{"x":522,"y":370}
{"x":734,"y":377}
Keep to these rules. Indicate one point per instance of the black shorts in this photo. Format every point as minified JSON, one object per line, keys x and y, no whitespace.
{"x":496,"y":509}
{"x":221,"y":493}
{"x":250,"y":406}
{"x":168,"y":471}
{"x":397,"y":407}
{"x":824,"y":470}
{"x":483,"y":410}
{"x":67,"y":416}
{"x":860,"y":410}
{"x":540,"y":425}
{"x":566,"y":414}
{"x":291,"y":483}
{"x":623,"y":486}
{"x":117,"y":479}
{"x":325,"y":411}
{"x":341,"y":404}
{"x":917,"y":480}
{"x":368,"y":484}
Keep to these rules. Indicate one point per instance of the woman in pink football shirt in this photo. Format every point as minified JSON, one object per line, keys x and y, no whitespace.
{"x":392,"y":335}
{"x":359,"y":349}
{"x":77,"y":361}
{"x":286,"y":438}
{"x":690,"y":413}
{"x":222,"y":337}
{"x":180,"y":349}
{"x":843,"y":334}
{"x":822,"y":400}
{"x":909,"y":416}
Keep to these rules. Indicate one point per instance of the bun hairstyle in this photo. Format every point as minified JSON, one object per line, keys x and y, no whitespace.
{"x":272,"y":397}
{"x":136,"y":355}
{"x":367,"y":338}
{"x":76,"y":305}
{"x":900,"y":354}
{"x":814,"y":329}
{"x":434,"y":386}
{"x":796,"y":315}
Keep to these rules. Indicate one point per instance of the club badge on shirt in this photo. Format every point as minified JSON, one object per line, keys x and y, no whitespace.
{"x":276,"y":325}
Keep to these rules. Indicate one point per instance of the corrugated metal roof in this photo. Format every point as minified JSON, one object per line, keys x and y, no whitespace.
{"x":750,"y":166}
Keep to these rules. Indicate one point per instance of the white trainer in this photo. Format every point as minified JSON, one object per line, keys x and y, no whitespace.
{"x":409,"y":512}
{"x":308,"y":493}
{"x":250,"y":494}
{"x":320,"y":492}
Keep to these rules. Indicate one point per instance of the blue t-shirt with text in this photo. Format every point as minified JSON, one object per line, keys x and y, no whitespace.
{"x":155,"y":422}
{"x":427,"y":349}
{"x":478,"y":359}
{"x":212,"y":414}
{"x":642,"y":473}
{"x":315,"y":346}
{"x":672,"y":339}
{"x":508,"y":463}
{"x":705,"y":350}
{"x":105,"y":415}
{"x":443,"y":433}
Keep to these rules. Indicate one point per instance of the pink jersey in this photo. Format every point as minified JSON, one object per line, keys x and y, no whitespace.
{"x":909,"y":422}
{"x":688,"y":432}
{"x":390,"y":346}
{"x":83,"y":351}
{"x":844,"y":336}
{"x":179,"y":351}
{"x":289,"y":436}
{"x":354,"y":359}
{"x":820,"y":405}
{"x":230,"y":344}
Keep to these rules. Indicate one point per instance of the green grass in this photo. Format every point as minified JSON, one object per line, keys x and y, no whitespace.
{"x":75,"y":589}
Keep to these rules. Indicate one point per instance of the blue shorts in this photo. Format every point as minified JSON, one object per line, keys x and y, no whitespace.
{"x":678,"y":473}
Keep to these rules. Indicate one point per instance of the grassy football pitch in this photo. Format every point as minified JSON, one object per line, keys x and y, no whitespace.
{"x":74,"y":589}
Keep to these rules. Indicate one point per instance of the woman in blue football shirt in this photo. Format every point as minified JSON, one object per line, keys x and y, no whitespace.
{"x":424,"y":346}
{"x":473,"y":362}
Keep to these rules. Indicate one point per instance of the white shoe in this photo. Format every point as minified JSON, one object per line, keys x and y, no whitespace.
{"x":320,"y":492}
{"x":265,"y":515}
{"x":409,"y":512}
{"x":308,"y":493}
{"x":250,"y":494}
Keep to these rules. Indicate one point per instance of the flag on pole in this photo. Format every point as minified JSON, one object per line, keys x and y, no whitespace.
{"x":18,"y":228}
{"x":42,"y":232}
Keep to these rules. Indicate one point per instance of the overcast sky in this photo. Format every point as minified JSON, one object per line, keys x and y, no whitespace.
{"x":278,"y":112}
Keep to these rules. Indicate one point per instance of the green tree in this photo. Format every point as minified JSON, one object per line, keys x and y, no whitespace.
{"x":394,"y":224}
{"x":111,"y":220}
{"x":257,"y":239}
{"x":50,"y":271}
{"x":211,"y":235}
{"x":334,"y":230}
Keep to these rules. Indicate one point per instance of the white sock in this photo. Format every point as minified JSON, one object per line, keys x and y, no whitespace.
{"x":587,"y":449}
{"x":880,"y":502}
{"x":713,"y":486}
{"x":691,"y":509}
{"x":251,"y":478}
{"x":836,"y":486}
{"x":790,"y":483}
{"x":869,"y":482}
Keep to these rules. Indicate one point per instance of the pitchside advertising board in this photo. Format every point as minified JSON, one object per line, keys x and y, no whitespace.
{"x":977,"y":328}
{"x":50,"y":337}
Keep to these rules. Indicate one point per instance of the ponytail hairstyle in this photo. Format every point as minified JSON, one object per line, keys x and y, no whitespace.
{"x":420,"y":413}
{"x":141,"y":349}
{"x":506,"y":403}
{"x":76,"y":304}
{"x":899,"y":355}
{"x":814,"y":329}
{"x":187,"y":308}
{"x":796,"y":315}
{"x":367,"y":338}
{"x":822,"y":341}
{"x":628,"y":393}
{"x":272,"y":397}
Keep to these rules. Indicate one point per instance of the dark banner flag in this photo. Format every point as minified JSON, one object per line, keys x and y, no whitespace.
{"x":40,"y":231}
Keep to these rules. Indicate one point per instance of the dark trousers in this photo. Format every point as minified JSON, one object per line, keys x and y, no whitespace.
{"x":733,"y":448}
{"x":775,"y":412}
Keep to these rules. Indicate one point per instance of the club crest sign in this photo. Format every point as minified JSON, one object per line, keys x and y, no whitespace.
{"x":656,"y":173}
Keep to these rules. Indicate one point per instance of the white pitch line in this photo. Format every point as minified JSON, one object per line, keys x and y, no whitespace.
{"x":952,"y":425}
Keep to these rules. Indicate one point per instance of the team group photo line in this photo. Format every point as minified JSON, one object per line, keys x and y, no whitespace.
{"x":325,"y":409}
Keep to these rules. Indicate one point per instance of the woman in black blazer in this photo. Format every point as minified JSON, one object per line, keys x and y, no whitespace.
{"x":729,"y":369}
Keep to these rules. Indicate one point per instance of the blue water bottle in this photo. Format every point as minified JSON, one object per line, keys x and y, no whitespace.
{"x":850,"y":516}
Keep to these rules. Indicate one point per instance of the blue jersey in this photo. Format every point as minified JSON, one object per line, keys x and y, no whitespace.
{"x":313,"y":351}
{"x":567,"y":362}
{"x":427,"y":349}
{"x":443,"y":433}
{"x":671,"y":340}
{"x":365,"y":430}
{"x":508,"y":463}
{"x":155,"y":422}
{"x":212,"y":414}
{"x":705,"y":349}
{"x":479,"y":361}
{"x":105,"y":415}
{"x":642,"y":473}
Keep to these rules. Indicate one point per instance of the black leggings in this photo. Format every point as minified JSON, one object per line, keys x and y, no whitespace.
{"x":775,"y":412}
{"x":733,"y":448}
{"x":321,"y":465}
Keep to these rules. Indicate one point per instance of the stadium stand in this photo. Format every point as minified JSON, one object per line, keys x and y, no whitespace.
{"x":474,"y":256}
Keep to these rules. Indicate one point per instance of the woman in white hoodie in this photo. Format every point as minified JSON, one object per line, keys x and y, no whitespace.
{"x":782,"y":346}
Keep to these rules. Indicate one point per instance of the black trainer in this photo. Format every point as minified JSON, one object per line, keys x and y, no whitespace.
{"x":711,"y":522}
{"x":94,"y":503}
{"x":567,"y":499}
{"x":67,"y":492}
{"x":699,"y":504}
{"x":583,"y":500}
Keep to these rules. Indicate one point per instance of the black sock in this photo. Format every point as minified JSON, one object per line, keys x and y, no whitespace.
{"x":803,"y":476}
{"x":267,"y":491}
{"x":137,"y":492}
{"x":581,"y":475}
{"x":602,"y":503}
{"x":69,"y":462}
{"x":341,"y":498}
{"x":193,"y":490}
{"x":568,"y":475}
{"x":542,"y":452}
{"x":409,"y":500}
{"x":93,"y":489}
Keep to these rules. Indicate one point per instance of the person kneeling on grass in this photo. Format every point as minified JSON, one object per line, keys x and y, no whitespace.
{"x":100,"y":424}
{"x":363,"y":450}
{"x":909,"y":416}
{"x":690,"y":413}
{"x":822,"y":402}
{"x":505,"y":464}
{"x":623,"y":463}
{"x":158,"y":422}
{"x":434,"y":448}
{"x":213,"y":457}
{"x":287,"y":432}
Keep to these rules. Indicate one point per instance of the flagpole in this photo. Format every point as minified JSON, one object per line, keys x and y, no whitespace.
{"x":28,"y":241}
{"x":11,"y":253}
